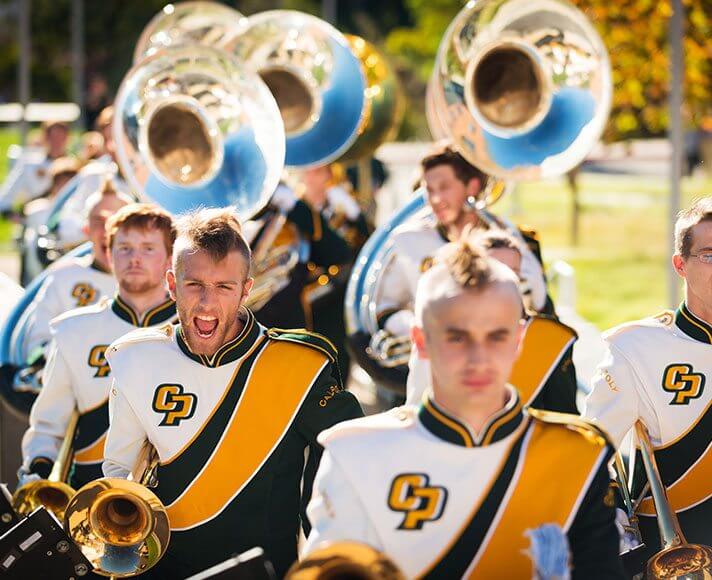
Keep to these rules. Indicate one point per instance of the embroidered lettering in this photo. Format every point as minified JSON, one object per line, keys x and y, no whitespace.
{"x":679,"y":378}
{"x":412,"y":494}
{"x":98,"y":361}
{"x":84,"y":294}
{"x":174,"y":403}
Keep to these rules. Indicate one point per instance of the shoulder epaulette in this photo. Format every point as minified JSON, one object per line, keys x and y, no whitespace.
{"x":307,"y":338}
{"x":99,"y":306}
{"x":528,"y":231}
{"x":662,"y":319}
{"x":152,"y":334}
{"x":590,"y":430}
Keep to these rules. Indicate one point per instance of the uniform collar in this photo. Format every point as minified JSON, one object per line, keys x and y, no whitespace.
{"x":228,"y":352}
{"x":98,"y":267}
{"x":161,"y":313}
{"x":692,"y":326}
{"x":446,"y":426}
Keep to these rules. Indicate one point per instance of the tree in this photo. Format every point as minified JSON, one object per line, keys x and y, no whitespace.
{"x":635,"y":32}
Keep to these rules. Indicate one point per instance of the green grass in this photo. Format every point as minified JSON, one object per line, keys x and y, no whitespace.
{"x":622,"y":256}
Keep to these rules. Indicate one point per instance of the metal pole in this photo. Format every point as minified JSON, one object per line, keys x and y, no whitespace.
{"x":78,"y":58}
{"x":24,"y":62}
{"x":675,"y":136}
{"x":329,"y":11}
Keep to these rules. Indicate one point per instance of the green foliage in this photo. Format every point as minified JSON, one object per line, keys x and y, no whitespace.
{"x":635,"y":32}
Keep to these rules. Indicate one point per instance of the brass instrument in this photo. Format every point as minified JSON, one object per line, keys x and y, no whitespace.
{"x":622,"y":481}
{"x":677,"y":559}
{"x":120,"y":525}
{"x":522,"y":88}
{"x":52,"y":493}
{"x":190,"y":23}
{"x":342,"y":560}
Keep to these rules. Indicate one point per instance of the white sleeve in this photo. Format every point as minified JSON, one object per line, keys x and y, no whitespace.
{"x":533,"y":273}
{"x":335,"y":510}
{"x":615,"y":399}
{"x":14,"y":189}
{"x":45,"y":306}
{"x":394,"y":288}
{"x":125,"y":437}
{"x":52,"y":410}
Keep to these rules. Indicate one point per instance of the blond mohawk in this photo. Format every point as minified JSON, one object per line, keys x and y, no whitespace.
{"x":467,"y":264}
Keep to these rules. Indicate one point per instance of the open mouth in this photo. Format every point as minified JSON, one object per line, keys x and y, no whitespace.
{"x":205,"y":326}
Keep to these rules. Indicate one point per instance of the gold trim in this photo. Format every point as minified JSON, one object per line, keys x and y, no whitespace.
{"x":683,"y":311}
{"x":464,"y":433}
{"x":151,"y":313}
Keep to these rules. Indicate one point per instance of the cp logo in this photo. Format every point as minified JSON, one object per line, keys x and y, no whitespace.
{"x":679,"y":378}
{"x":98,"y":361}
{"x":84,"y":294}
{"x":174,"y":403}
{"x":412,"y":494}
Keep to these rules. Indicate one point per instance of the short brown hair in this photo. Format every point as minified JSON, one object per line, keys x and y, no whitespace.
{"x":142,"y":216}
{"x":216,"y":231}
{"x":448,"y":156}
{"x":497,"y":239}
{"x":701,"y":211}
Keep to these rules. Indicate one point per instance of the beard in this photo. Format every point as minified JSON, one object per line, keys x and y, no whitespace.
{"x":138,"y":286}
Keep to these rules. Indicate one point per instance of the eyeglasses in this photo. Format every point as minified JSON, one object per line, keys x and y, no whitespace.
{"x":706,"y":257}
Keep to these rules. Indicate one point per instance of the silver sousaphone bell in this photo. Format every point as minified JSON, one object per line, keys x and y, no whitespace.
{"x":189,"y":23}
{"x":521,"y":87}
{"x":193,"y":127}
{"x":315,"y":77}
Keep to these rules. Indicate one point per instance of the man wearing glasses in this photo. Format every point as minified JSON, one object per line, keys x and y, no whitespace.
{"x":658,"y":371}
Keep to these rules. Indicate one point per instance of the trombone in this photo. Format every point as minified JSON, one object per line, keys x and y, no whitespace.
{"x":678,"y":558}
{"x":53,"y":493}
{"x":120,"y":525}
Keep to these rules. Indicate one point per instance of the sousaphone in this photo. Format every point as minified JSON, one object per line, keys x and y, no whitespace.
{"x":522,"y":90}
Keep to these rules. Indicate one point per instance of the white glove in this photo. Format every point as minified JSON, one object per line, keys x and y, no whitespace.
{"x":342,"y":202}
{"x":399,"y":324}
{"x":628,"y":538}
{"x":284,"y":198}
{"x":24,"y":477}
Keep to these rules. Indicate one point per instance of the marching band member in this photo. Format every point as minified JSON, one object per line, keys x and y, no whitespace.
{"x":77,"y":376}
{"x":82,"y":281}
{"x":230,"y":407}
{"x":91,"y":176}
{"x":656,"y":371}
{"x":30,"y":177}
{"x":326,"y":290}
{"x":544,"y":373}
{"x":449,"y":181}
{"x":467,"y":484}
{"x":321,"y":245}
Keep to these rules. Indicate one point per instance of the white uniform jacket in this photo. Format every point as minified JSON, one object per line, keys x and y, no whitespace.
{"x":658,"y":370}
{"x":443,"y":502}
{"x":28,"y":179}
{"x":414,"y":247}
{"x":77,"y":376}
{"x":77,"y":283}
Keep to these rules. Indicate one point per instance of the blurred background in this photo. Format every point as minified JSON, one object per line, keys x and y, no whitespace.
{"x":608,"y":220}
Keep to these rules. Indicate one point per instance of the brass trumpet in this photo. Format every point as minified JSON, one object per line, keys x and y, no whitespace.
{"x":120,"y":525}
{"x":52,"y":493}
{"x":342,"y":560}
{"x":677,"y":559}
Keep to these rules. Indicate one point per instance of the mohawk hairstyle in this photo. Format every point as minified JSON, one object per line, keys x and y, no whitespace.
{"x":460,"y":266}
{"x":466,"y":264}
{"x":215,"y":231}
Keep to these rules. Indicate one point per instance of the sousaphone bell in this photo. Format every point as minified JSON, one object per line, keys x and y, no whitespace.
{"x":194,"y":127}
